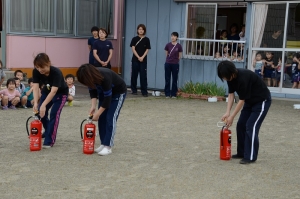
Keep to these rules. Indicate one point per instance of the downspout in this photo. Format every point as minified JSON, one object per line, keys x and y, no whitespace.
{"x":122,"y":40}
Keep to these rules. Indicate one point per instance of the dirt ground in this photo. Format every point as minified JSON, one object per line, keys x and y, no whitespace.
{"x":164,"y":148}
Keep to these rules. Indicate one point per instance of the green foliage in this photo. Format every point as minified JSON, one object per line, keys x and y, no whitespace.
{"x":211,"y":89}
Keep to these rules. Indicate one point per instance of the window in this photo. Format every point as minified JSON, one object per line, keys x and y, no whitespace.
{"x":87,"y":15}
{"x":65,"y":17}
{"x":95,"y":13}
{"x":276,"y":31}
{"x":43,"y":16}
{"x":201,"y":21}
{"x":59,"y":17}
{"x":205,"y":22}
{"x":20,"y":16}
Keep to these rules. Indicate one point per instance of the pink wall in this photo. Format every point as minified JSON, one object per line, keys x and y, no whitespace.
{"x":63,"y":52}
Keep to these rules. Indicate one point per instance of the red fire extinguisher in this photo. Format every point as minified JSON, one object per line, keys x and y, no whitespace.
{"x":35,"y":133}
{"x":225,"y":143}
{"x":88,"y":138}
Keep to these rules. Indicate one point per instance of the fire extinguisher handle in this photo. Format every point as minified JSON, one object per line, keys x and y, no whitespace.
{"x":221,"y":124}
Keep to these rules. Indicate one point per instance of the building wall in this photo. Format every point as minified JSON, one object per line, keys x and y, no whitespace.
{"x":161,"y":18}
{"x":65,"y":53}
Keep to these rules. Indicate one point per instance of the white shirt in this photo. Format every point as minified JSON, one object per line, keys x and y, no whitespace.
{"x":72,"y":91}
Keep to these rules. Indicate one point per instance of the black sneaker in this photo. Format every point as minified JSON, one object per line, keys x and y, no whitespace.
{"x":236,"y":156}
{"x":145,"y":95}
{"x":134,"y":93}
{"x":244,"y":161}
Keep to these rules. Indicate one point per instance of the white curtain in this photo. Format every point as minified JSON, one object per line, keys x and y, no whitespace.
{"x":20,"y":20}
{"x":43,"y":18}
{"x":86,"y":16}
{"x":65,"y":16}
{"x":261,"y":12}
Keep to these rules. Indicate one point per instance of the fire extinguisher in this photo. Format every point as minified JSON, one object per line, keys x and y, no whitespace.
{"x":225,"y":142}
{"x":35,"y":132}
{"x":88,"y":137}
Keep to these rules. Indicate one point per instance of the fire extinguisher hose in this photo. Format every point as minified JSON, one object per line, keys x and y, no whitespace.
{"x":27,"y":124}
{"x":81,"y":128}
{"x":222,"y":144}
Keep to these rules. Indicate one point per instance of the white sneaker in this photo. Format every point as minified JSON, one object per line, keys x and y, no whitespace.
{"x":105,"y":151}
{"x":99,"y":148}
{"x":46,"y":146}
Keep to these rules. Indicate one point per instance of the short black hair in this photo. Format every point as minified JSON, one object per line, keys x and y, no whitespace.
{"x":30,"y":80}
{"x":70,"y":75}
{"x":234,"y":25}
{"x":10,"y":80}
{"x":103,"y":30}
{"x":226,"y":69}
{"x":259,"y":53}
{"x":175,"y":34}
{"x":15,"y":78}
{"x":143,"y":27}
{"x":18,"y":71}
{"x":297,"y":55}
{"x":94,"y":28}
{"x":224,"y":31}
{"x":270,"y":52}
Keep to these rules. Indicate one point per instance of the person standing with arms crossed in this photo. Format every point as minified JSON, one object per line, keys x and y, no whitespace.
{"x":102,"y":50}
{"x":254,"y":100}
{"x":140,"y":46}
{"x":173,"y":54}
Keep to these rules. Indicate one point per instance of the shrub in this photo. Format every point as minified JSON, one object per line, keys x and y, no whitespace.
{"x":211,"y":89}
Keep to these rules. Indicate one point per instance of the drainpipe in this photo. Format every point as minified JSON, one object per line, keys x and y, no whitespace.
{"x":3,"y":35}
{"x":122,"y":40}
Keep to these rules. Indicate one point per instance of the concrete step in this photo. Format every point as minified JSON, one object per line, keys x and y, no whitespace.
{"x":9,"y":74}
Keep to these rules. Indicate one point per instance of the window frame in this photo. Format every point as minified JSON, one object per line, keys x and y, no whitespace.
{"x":54,"y":33}
{"x":185,"y":41}
{"x":283,"y":50}
{"x":187,"y":16}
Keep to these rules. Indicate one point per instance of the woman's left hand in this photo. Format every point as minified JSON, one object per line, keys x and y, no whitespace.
{"x":42,"y":111}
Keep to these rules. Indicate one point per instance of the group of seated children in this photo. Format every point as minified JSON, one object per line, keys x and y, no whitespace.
{"x":226,"y":53}
{"x":228,"y":50}
{"x":16,"y":94}
{"x":271,"y":72}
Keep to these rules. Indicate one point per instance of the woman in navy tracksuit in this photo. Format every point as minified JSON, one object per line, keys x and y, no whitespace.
{"x":111,"y":91}
{"x":54,"y":95}
{"x":254,"y":100}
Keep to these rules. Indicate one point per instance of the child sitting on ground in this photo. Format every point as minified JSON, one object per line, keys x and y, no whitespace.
{"x":11,"y":97}
{"x":20,"y":86}
{"x":70,"y":82}
{"x":27,"y":95}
